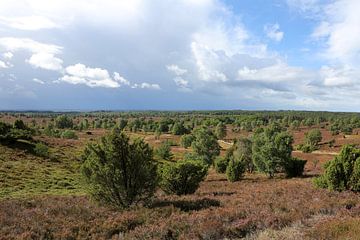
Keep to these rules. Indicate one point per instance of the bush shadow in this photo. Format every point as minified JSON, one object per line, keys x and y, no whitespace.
{"x":187,"y":205}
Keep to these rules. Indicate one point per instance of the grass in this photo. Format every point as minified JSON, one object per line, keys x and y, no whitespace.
{"x":22,"y":174}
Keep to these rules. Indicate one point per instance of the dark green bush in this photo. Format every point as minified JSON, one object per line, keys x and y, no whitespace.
{"x":221,"y":164}
{"x":120,"y":173}
{"x":164,"y":151}
{"x":63,"y":121}
{"x":41,"y":150}
{"x":235,"y":170}
{"x":343,"y":172}
{"x":295,"y":167}
{"x":182,"y":177}
{"x":69,"y":134}
{"x":186,"y":140}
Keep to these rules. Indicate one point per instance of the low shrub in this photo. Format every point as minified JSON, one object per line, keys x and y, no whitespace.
{"x":182,"y":177}
{"x":343,"y":172}
{"x":221,"y":164}
{"x":164,"y":151}
{"x":235,"y":170}
{"x":41,"y":150}
{"x":69,"y":134}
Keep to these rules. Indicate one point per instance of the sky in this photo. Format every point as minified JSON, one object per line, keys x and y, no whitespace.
{"x":180,"y":55}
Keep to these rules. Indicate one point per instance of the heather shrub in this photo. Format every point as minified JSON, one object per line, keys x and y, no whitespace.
{"x":221,"y":164}
{"x":182,"y":177}
{"x":186,"y":140}
{"x":41,"y":150}
{"x":119,"y":172}
{"x":343,"y":172}
{"x":69,"y":134}
{"x":164,"y":151}
{"x":235,"y":170}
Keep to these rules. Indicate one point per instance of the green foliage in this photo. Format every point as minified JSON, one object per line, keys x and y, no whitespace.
{"x":342,"y":173}
{"x":69,"y":134}
{"x":41,"y":150}
{"x":235,"y":170}
{"x":242,"y":151}
{"x":220,"y":130}
{"x":19,"y":124}
{"x":164,"y":151}
{"x":186,"y":140}
{"x":182,"y":177}
{"x":295,"y":167}
{"x":312,"y":139}
{"x":179,"y":129}
{"x":122,"y":124}
{"x":205,"y":144}
{"x":63,"y":121}
{"x":9,"y":134}
{"x":221,"y":164}
{"x":271,"y":149}
{"x":120,"y":173}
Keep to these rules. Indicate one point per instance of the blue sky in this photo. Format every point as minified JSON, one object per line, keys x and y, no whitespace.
{"x":180,"y":54}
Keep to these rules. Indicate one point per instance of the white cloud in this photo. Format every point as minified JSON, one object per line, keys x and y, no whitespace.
{"x":278,"y":72}
{"x":273,"y":32}
{"x":3,"y":64}
{"x":339,"y":77}
{"x":16,"y":44}
{"x":147,"y":86}
{"x":92,"y":77}
{"x":180,"y":82}
{"x":38,"y":81}
{"x":46,"y":61}
{"x":341,"y":32}
{"x":28,"y":22}
{"x":8,"y":55}
{"x":176,"y":70}
{"x":120,"y":79}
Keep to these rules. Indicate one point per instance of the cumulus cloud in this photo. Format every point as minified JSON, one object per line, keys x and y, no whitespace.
{"x":176,"y":70}
{"x":16,"y":44}
{"x":43,"y":55}
{"x":121,"y":79}
{"x":147,"y":86}
{"x":38,"y":81}
{"x":3,"y":64}
{"x":92,"y":77}
{"x":8,"y":55}
{"x":180,"y":82}
{"x":46,"y":61}
{"x":273,"y":32}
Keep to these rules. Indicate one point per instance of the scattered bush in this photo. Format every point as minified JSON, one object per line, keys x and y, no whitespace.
{"x":221,"y":164}
{"x":235,"y":170}
{"x":69,"y":134}
{"x":63,"y":121}
{"x":271,"y":149}
{"x":41,"y":150}
{"x":220,"y":130}
{"x":120,"y":173}
{"x":164,"y":151}
{"x":343,"y":172}
{"x":205,"y":144}
{"x":182,"y":177}
{"x":186,"y":140}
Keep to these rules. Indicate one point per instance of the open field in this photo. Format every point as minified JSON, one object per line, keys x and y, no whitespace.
{"x":46,"y":198}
